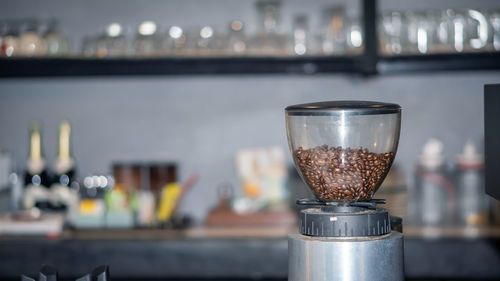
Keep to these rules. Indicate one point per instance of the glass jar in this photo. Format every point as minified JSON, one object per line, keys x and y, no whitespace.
{"x":477,"y":29}
{"x":269,"y":39}
{"x":57,"y":43}
{"x":236,"y":40}
{"x":206,"y":43}
{"x":300,"y":36}
{"x":146,"y":42}
{"x":343,"y":149}
{"x":494,"y":19}
{"x":116,"y":42}
{"x":174,"y":41}
{"x":334,"y":31}
{"x":31,"y":43}
{"x":392,"y":30}
{"x":354,"y":36}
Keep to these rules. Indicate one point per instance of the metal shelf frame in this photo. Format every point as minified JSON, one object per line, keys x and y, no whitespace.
{"x":369,"y":63}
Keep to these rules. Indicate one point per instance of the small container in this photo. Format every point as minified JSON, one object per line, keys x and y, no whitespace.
{"x":161,"y":174}
{"x":343,"y":149}
{"x":127,"y":176}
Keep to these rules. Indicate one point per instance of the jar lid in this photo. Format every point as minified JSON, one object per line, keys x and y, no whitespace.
{"x":351,"y":107}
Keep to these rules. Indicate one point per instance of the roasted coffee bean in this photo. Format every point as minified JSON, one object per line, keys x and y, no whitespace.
{"x":343,"y":174}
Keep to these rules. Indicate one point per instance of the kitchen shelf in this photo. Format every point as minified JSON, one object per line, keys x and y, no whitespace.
{"x":438,"y":62}
{"x":47,"y":67}
{"x":367,"y":63}
{"x":386,"y":65}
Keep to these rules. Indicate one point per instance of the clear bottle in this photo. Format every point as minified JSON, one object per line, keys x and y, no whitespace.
{"x":174,"y":41}
{"x":458,"y":32}
{"x":472,"y":200}
{"x":116,"y":42}
{"x":269,"y":40}
{"x":477,"y":30}
{"x":435,"y":193}
{"x":494,"y":20}
{"x":146,"y":42}
{"x":354,"y":36}
{"x":206,"y":43}
{"x":419,"y":31}
{"x":392,"y":31}
{"x":443,"y":32}
{"x":334,"y":32}
{"x":300,"y":36}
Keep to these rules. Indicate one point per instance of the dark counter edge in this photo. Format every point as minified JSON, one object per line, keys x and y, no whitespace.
{"x":457,"y":258}
{"x":67,"y":67}
{"x":403,"y":64}
{"x":109,"y":67}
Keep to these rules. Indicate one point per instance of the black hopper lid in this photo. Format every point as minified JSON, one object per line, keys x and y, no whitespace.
{"x":351,"y":107}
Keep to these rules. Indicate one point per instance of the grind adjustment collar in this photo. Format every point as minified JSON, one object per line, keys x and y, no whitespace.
{"x":344,"y":221}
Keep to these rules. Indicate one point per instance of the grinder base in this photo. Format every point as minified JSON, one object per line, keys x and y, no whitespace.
{"x":345,"y":258}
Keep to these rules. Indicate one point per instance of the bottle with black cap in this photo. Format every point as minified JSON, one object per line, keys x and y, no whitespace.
{"x":36,"y":179}
{"x":63,"y":195}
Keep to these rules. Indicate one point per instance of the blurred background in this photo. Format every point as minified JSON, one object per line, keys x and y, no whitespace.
{"x":162,"y":122}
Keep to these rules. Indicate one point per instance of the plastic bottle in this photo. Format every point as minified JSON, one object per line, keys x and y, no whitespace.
{"x":435,"y":193}
{"x":472,"y":200}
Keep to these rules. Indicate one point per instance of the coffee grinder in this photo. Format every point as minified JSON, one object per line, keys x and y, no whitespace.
{"x":343,"y":150}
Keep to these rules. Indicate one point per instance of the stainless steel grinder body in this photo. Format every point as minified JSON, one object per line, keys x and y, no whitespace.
{"x":347,"y":259}
{"x":347,"y":246}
